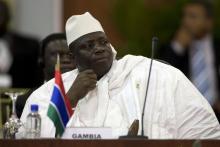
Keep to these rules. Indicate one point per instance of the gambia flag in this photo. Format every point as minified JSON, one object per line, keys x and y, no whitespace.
{"x":59,"y":110}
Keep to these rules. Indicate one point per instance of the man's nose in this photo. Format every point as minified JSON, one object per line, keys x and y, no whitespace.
{"x":99,"y":50}
{"x":65,"y":58}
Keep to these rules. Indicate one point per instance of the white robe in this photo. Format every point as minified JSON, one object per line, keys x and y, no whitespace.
{"x":174,"y":107}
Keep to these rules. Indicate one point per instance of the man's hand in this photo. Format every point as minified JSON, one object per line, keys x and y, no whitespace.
{"x":84,"y":82}
{"x":133,"y":130}
{"x":183,"y":37}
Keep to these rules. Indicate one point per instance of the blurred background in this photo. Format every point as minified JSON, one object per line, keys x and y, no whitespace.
{"x":129,"y":24}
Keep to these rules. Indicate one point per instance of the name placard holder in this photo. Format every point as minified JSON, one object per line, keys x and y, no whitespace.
{"x":87,"y":133}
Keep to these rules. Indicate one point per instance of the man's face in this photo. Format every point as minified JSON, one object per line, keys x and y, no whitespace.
{"x":66,"y":60}
{"x":93,"y":51}
{"x":196,"y":20}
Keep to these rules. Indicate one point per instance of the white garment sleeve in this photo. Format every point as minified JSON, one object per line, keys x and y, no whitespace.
{"x":195,"y":118}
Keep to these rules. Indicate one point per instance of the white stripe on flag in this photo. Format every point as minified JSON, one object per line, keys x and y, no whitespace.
{"x":58,"y":87}
{"x":57,"y":113}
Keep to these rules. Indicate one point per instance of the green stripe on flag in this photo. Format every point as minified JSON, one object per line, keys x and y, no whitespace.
{"x":54,"y":116}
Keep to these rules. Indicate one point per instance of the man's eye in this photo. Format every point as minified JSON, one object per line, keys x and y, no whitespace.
{"x":53,"y":53}
{"x":104,"y":42}
{"x":70,"y":54}
{"x":83,"y":46}
{"x":91,"y":45}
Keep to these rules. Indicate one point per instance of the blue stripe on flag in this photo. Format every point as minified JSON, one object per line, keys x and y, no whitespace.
{"x":57,"y":99}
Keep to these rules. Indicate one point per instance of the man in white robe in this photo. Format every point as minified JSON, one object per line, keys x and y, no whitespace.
{"x":174,"y":107}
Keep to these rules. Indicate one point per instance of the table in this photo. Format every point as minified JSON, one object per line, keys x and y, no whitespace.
{"x":108,"y":143}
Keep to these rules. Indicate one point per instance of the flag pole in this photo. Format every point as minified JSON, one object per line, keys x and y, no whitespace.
{"x":57,"y":67}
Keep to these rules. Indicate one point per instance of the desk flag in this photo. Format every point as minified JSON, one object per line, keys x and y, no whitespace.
{"x":59,"y":110}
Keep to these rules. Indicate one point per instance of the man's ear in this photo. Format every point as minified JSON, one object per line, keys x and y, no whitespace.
{"x":210,"y":24}
{"x":72,"y":55}
{"x":74,"y":59}
{"x":77,"y":64}
{"x":41,"y":62}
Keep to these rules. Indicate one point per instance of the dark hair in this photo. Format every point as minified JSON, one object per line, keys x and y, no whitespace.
{"x":46,"y":41}
{"x":206,"y":4}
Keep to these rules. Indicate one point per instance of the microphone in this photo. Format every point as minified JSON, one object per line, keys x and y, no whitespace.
{"x":133,"y":130}
{"x":154,"y":47}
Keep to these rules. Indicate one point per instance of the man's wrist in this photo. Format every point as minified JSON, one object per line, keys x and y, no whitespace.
{"x":72,"y":96}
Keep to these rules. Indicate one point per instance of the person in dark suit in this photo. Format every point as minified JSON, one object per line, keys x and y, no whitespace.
{"x":52,"y":45}
{"x":195,"y":51}
{"x":19,"y":56}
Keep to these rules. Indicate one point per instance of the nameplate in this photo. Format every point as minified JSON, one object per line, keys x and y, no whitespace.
{"x":87,"y":133}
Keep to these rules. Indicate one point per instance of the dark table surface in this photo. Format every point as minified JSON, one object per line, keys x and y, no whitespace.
{"x":108,"y":143}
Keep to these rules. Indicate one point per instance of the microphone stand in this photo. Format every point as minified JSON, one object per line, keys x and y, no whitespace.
{"x":133,"y":130}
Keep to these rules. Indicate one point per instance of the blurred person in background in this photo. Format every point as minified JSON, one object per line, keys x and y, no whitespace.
{"x":51,"y":46}
{"x":195,"y":51}
{"x":18,"y":56}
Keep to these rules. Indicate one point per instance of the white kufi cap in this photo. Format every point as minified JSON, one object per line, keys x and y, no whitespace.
{"x":79,"y":25}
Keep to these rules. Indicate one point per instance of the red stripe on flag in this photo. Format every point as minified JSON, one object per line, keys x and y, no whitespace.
{"x":58,"y":81}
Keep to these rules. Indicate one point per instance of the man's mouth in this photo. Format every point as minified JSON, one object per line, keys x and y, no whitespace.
{"x":65,"y":68}
{"x":101,"y":59}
